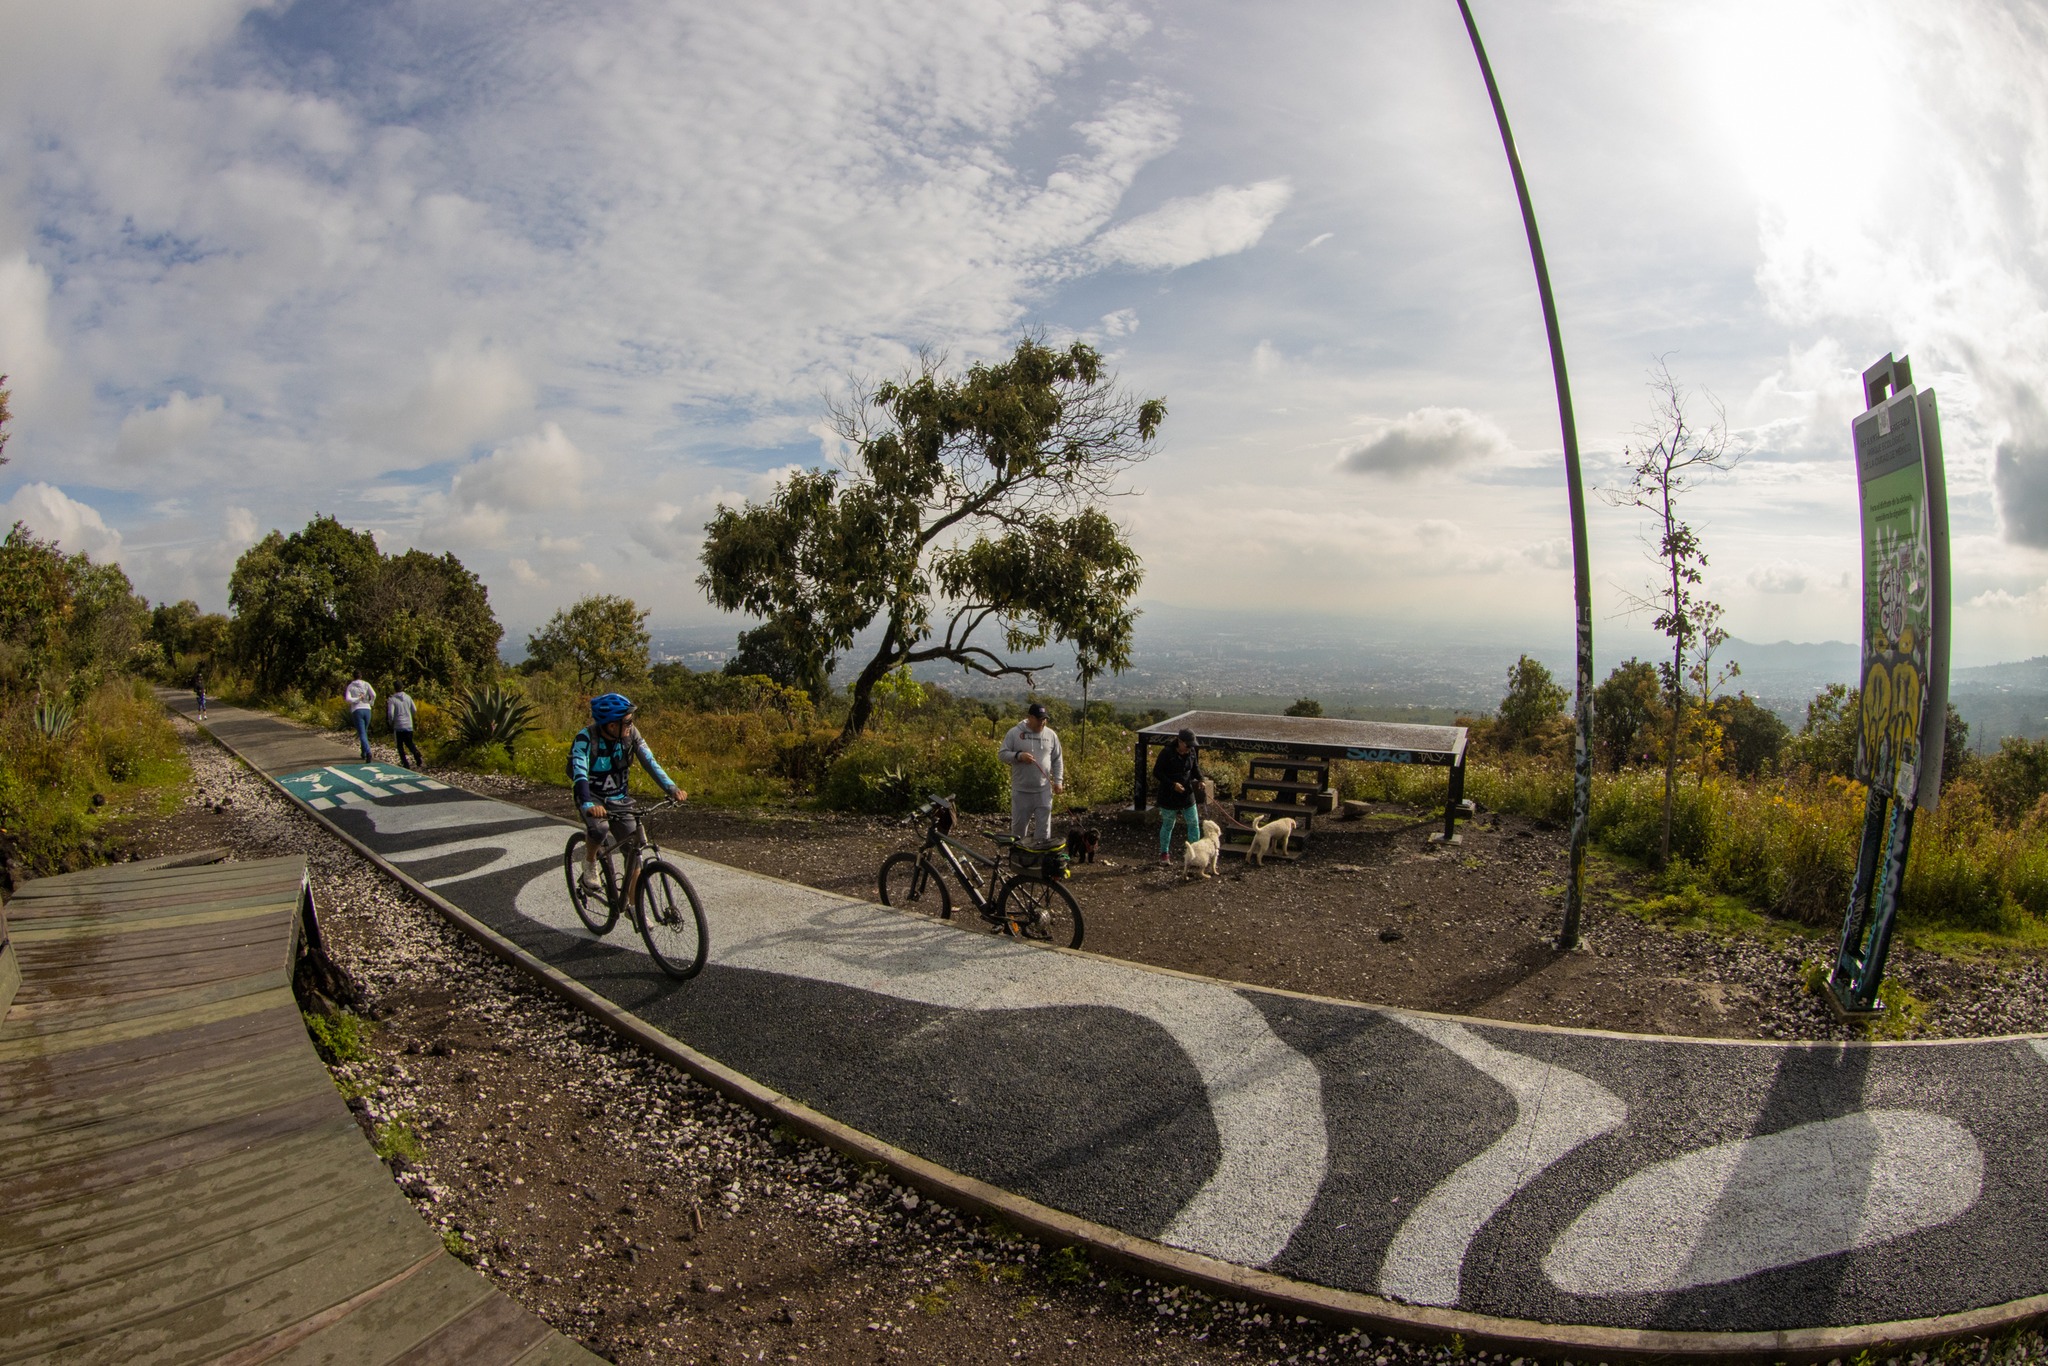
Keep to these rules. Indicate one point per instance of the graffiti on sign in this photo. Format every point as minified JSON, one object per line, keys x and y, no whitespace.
{"x":1903,"y":652}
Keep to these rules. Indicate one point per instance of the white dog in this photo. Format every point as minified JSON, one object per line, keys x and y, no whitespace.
{"x":1203,"y":853}
{"x":1269,"y":837}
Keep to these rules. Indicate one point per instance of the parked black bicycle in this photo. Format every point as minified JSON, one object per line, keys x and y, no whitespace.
{"x":665,"y":905}
{"x":1032,"y":903}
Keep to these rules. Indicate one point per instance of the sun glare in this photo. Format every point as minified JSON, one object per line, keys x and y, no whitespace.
{"x":1804,"y":95}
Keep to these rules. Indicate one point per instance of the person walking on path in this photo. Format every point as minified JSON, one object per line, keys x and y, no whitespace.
{"x":399,"y":710}
{"x":1038,"y":769}
{"x":199,"y":690}
{"x":1177,"y":780}
{"x":359,"y":695}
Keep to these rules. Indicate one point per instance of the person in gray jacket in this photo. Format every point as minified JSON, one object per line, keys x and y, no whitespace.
{"x":399,"y":709}
{"x":1038,"y":770}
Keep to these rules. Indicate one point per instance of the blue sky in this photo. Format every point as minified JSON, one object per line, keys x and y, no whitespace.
{"x":542,"y":284}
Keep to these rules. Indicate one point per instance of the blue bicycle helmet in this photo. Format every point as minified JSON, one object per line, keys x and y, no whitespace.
{"x":611,"y":707}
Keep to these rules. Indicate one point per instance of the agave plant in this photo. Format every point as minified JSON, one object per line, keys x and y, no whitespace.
{"x":490,"y":715}
{"x":51,"y":719}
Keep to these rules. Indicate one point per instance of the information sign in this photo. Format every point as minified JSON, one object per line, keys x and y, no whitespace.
{"x":1905,"y":597}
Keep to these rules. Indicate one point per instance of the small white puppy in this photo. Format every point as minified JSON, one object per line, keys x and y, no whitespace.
{"x":1202,"y":853}
{"x":1269,"y":836}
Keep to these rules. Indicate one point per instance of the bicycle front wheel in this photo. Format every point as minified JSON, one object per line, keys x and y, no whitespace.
{"x":671,"y":920}
{"x":598,"y":910}
{"x":1033,"y":908}
{"x":909,"y":882}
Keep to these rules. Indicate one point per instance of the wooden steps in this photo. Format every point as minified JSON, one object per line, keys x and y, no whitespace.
{"x":1299,"y":790}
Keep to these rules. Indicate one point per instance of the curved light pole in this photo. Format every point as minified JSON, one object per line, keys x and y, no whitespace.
{"x":1582,"y":747}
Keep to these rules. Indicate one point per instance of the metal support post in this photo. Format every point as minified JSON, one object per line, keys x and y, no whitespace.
{"x":1138,"y":775}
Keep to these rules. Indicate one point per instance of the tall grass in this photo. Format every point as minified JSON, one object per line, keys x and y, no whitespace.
{"x":118,"y":747}
{"x":1785,"y":845}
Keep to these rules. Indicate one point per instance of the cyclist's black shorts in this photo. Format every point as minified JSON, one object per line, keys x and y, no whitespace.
{"x":625,"y":825}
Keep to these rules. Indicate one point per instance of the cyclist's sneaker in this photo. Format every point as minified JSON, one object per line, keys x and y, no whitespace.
{"x":590,"y":885}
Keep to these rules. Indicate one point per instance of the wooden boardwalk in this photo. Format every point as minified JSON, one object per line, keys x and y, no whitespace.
{"x":179,"y":1179}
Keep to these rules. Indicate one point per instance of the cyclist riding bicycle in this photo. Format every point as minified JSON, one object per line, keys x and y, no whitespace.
{"x":600,"y":759}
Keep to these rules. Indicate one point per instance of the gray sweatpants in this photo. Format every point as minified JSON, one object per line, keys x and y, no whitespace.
{"x":1031,"y":816}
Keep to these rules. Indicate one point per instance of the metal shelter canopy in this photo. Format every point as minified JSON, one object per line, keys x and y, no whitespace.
{"x":1313,"y":737}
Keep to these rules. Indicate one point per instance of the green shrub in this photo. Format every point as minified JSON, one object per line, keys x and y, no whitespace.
{"x":970,"y":770}
{"x":339,"y":1039}
{"x":491,"y":716}
{"x":876,"y":776}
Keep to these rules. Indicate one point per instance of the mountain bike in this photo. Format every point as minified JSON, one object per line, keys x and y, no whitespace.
{"x":665,"y":905}
{"x":1031,"y":903}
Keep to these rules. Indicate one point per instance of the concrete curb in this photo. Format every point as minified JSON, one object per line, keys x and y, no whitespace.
{"x":1513,"y":1337}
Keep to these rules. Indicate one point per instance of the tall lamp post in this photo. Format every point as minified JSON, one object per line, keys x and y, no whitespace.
{"x":1582,"y":748}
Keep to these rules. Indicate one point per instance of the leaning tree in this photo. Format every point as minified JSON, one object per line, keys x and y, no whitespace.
{"x":965,"y":520}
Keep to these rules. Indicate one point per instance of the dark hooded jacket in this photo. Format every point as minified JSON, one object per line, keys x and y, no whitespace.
{"x":1177,"y":777}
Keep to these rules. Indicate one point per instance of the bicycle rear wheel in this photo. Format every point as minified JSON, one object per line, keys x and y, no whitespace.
{"x":909,"y":882}
{"x":671,"y":920}
{"x":600,"y":912}
{"x":1033,"y":908}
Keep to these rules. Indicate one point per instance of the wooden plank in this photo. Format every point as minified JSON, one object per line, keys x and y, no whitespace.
{"x":116,"y":896}
{"x":94,"y":924}
{"x":138,"y":875}
{"x":47,"y":1034}
{"x":203,"y":1301}
{"x":168,"y":1152}
{"x":181,"y":1180}
{"x":316,"y":1160}
{"x":142,"y":979}
{"x":88,"y":1131}
{"x":124,"y":1062}
{"x":493,"y":1330}
{"x":90,"y":1242}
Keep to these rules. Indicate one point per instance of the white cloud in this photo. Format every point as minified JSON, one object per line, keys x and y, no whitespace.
{"x":175,"y":424}
{"x":2033,"y":601}
{"x":239,"y":526}
{"x":524,"y":572}
{"x":1780,"y":576}
{"x":28,"y":357}
{"x":1121,"y":323}
{"x":538,"y":472}
{"x":467,"y":394}
{"x":1428,"y":439}
{"x":1182,"y":232}
{"x":1315,"y":241}
{"x":55,"y":515}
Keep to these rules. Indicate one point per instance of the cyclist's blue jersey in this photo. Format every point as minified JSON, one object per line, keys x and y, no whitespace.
{"x":599,"y":766}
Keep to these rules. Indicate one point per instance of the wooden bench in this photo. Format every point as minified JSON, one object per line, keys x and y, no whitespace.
{"x":179,"y":1179}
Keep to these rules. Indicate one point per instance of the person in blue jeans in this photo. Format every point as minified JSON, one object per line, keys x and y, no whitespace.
{"x":601,"y":758}
{"x":1177,"y":786}
{"x":359,"y":695}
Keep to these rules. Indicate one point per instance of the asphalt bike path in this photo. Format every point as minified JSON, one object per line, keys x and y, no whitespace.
{"x":1561,"y":1177}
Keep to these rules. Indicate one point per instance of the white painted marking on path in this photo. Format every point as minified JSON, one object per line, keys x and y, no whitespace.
{"x":368,"y":789}
{"x":2041,"y":1047}
{"x":513,"y":849}
{"x":1556,"y":1111}
{"x":1265,"y":1098}
{"x":1756,"y":1204}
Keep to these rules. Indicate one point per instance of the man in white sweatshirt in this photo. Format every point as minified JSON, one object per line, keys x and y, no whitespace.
{"x":1038,"y":769}
{"x":359,"y":695}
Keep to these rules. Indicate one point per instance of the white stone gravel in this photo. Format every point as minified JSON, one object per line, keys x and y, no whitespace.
{"x":725,"y":1157}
